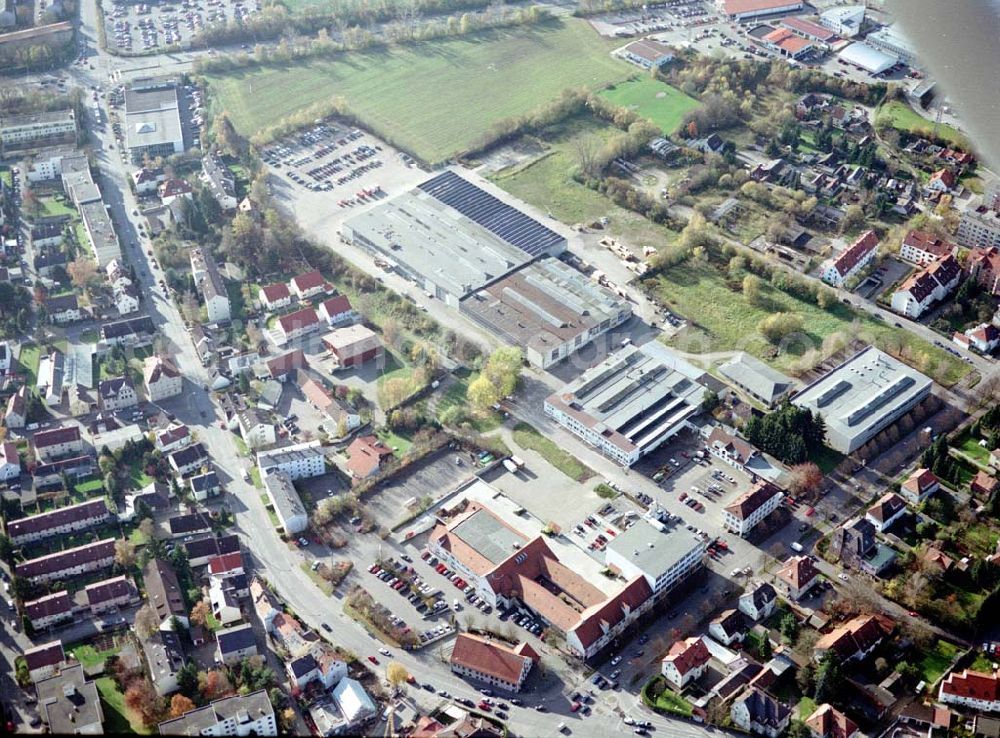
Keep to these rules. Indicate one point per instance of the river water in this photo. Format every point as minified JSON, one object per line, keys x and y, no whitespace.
{"x":959,"y":43}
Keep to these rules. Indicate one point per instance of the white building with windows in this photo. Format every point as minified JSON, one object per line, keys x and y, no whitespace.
{"x":750,"y":508}
{"x":246,"y":715}
{"x":664,"y":557}
{"x":300,"y":461}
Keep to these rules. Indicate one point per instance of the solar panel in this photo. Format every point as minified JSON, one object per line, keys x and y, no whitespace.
{"x":494,"y":215}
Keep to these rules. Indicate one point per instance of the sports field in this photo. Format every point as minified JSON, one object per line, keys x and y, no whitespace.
{"x":666,"y":106}
{"x":433,"y":99}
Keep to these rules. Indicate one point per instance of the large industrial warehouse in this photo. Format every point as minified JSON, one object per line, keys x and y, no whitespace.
{"x":862,"y":397}
{"x":451,"y":236}
{"x":548,"y":308}
{"x":632,"y":402}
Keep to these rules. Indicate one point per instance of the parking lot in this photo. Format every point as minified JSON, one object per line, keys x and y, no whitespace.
{"x":327,"y":158}
{"x":146,"y":27}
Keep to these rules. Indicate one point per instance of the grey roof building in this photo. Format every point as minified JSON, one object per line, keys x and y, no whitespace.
{"x":548,"y":308}
{"x":863,"y":396}
{"x":152,"y":121}
{"x":69,"y":704}
{"x":250,"y":714}
{"x":451,"y":236}
{"x":665,"y":557}
{"x":757,"y":379}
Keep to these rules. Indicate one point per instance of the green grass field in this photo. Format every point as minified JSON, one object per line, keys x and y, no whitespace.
{"x":434,"y":99}
{"x":29,"y":358}
{"x":666,"y":106}
{"x":902,"y":116}
{"x":547,"y":183}
{"x":936,"y":660}
{"x":528,"y":437}
{"x":727,"y":321}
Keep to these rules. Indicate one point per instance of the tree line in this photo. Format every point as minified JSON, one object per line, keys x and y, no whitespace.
{"x":791,"y":434}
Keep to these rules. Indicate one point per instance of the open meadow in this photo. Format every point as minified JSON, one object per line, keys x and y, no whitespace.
{"x":434,"y":99}
{"x":666,"y":106}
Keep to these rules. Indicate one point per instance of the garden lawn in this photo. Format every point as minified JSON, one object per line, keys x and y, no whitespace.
{"x":672,"y":702}
{"x":88,"y":656}
{"x":435,"y":99}
{"x":547,"y":183}
{"x":527,"y":437}
{"x":29,"y":357}
{"x":324,"y":586}
{"x":118,"y":718}
{"x":400,"y":445}
{"x":455,"y":395}
{"x":936,"y":660}
{"x":724,"y":320}
{"x":52,"y":207}
{"x":971,"y":448}
{"x":982,"y":663}
{"x":902,"y":116}
{"x":666,"y":106}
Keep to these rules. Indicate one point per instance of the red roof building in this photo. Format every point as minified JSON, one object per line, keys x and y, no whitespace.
{"x":491,"y":662}
{"x":983,"y":484}
{"x":919,"y":486}
{"x":923,"y":247}
{"x":43,"y":661}
{"x":973,"y":689}
{"x":855,"y":639}
{"x":61,"y":521}
{"x":829,"y":722}
{"x":798,"y":575}
{"x":941,"y":181}
{"x":226,"y":565}
{"x":49,"y":610}
{"x":71,"y":562}
{"x":308,"y":284}
{"x":685,"y":662}
{"x":283,"y":366}
{"x":336,"y":310}
{"x":851,"y":260}
{"x":275,"y":295}
{"x":353,"y":345}
{"x":365,"y":456}
{"x":298,"y":324}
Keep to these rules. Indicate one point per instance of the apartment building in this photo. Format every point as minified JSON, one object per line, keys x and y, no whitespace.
{"x":61,"y":521}
{"x":973,"y":689}
{"x":71,"y":562}
{"x":929,"y":285}
{"x":923,"y":247}
{"x":685,"y":662}
{"x":286,"y":502}
{"x":162,"y":378}
{"x":492,"y":662}
{"x":300,"y":461}
{"x":33,"y":131}
{"x":207,"y":278}
{"x":117,"y":394}
{"x":851,"y":260}
{"x":57,"y":442}
{"x":750,"y":508}
{"x":979,"y":227}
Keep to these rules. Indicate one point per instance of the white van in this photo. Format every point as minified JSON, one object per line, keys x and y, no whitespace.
{"x":797,"y":547}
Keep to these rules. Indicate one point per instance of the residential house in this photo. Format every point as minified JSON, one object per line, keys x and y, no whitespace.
{"x":45,"y":660}
{"x":923,"y":247}
{"x":942,"y":181}
{"x":301,"y":461}
{"x":224,"y":602}
{"x":235,"y":644}
{"x":164,"y":652}
{"x":163,"y":592}
{"x":68,"y":563}
{"x":117,"y":394}
{"x":797,"y":576}
{"x":126,"y":299}
{"x":201,"y":550}
{"x":205,"y":485}
{"x":855,"y":545}
{"x":829,"y":722}
{"x":189,"y":524}
{"x":63,"y":309}
{"x":57,"y":442}
{"x":854,"y":640}
{"x":226,"y":566}
{"x":10,"y":462}
{"x":285,"y":365}
{"x":256,"y":430}
{"x":337,"y":310}
{"x":50,"y":610}
{"x":353,"y":345}
{"x":757,"y":712}
{"x":128,"y":332}
{"x":927,"y":286}
{"x":172,"y":189}
{"x":307,"y":285}
{"x":240,"y":715}
{"x":162,"y":378}
{"x":188,"y":459}
{"x":58,"y":522}
{"x":16,"y":416}
{"x":983,"y":485}
{"x":353,"y":702}
{"x":344,"y":416}
{"x":759,"y":601}
{"x":298,"y":324}
{"x":920,"y":485}
{"x":146,"y":180}
{"x":275,"y":296}
{"x":889,"y":508}
{"x":365,"y":457}
{"x":751,"y":508}
{"x":69,"y":704}
{"x":173,"y":438}
{"x":74,"y":467}
{"x":731,"y":448}
{"x":685,"y":662}
{"x":207,"y":278}
{"x":728,"y":628}
{"x":492,"y":662}
{"x":118,"y":275}
{"x":851,"y":260}
{"x":319,"y":663}
{"x":285,"y":500}
{"x":976,"y":690}
{"x":220,"y":180}
{"x":984,"y":338}
{"x":110,"y":595}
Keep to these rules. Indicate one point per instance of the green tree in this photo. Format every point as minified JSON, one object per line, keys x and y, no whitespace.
{"x":789,"y":627}
{"x":828,"y":678}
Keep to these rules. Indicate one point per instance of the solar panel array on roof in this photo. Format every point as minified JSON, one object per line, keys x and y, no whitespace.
{"x":496,"y":216}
